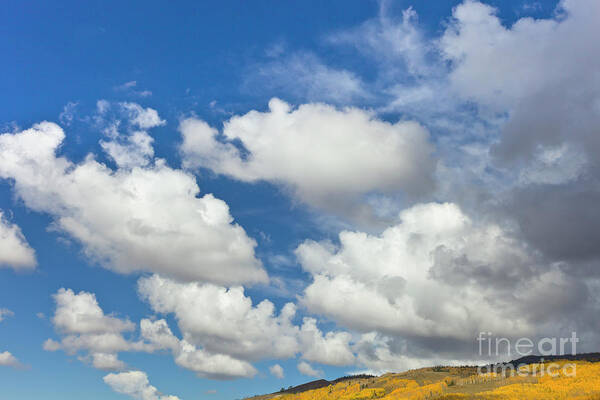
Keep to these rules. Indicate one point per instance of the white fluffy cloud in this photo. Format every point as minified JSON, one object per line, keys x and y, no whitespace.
{"x":222,"y":332}
{"x":81,"y":314}
{"x":8,"y":360}
{"x":97,"y":338}
{"x":437,"y":274}
{"x":136,"y":385}
{"x":326,"y":156}
{"x":223,"y":321}
{"x":84,"y":328}
{"x":187,"y":355}
{"x":333,"y":348}
{"x":132,"y":114}
{"x":306,"y":369}
{"x":277,"y":371}
{"x":527,"y":57}
{"x":144,"y":118}
{"x":130,"y":219}
{"x":15,"y":252}
{"x":133,"y":148}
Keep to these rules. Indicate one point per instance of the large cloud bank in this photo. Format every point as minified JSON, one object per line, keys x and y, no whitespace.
{"x":140,"y":218}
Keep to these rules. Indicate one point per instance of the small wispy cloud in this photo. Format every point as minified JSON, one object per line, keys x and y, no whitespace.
{"x":68,"y":113}
{"x":4,"y":312}
{"x":131,"y":88}
{"x":305,"y":76}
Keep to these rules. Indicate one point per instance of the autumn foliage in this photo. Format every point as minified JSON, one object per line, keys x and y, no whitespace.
{"x":458,"y":383}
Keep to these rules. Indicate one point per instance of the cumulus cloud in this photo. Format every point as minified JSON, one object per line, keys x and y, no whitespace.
{"x":136,"y":385}
{"x":480,"y":46}
{"x":96,"y":338}
{"x":132,"y":151}
{"x":144,"y":118}
{"x":436,"y":278}
{"x":277,"y":371}
{"x":87,"y":331}
{"x":15,"y":252}
{"x":187,"y":355}
{"x":133,"y":147}
{"x":333,"y":348}
{"x":325,"y":156}
{"x":111,"y":115}
{"x":81,"y":314}
{"x":306,"y":369}
{"x":130,"y":219}
{"x":8,"y":360}
{"x":224,"y":321}
{"x":222,"y":332}
{"x":213,"y":366}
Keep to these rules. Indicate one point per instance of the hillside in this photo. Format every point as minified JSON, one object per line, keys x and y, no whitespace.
{"x":449,"y":383}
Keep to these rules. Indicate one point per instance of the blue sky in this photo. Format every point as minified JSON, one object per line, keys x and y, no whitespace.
{"x":293,"y":184}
